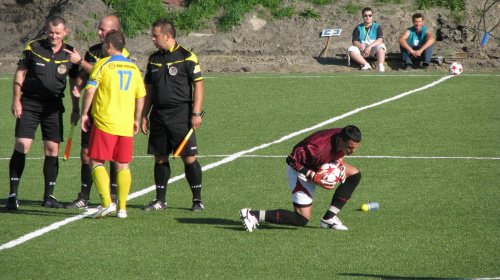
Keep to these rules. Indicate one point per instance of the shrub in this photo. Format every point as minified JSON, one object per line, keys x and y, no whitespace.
{"x":310,"y":13}
{"x":287,"y":12}
{"x":452,"y":5}
{"x":137,"y":15}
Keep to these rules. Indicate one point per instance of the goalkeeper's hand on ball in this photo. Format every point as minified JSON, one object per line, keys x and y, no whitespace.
{"x":319,"y":179}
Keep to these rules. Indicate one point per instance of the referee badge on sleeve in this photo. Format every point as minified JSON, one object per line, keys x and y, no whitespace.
{"x":197,"y":69}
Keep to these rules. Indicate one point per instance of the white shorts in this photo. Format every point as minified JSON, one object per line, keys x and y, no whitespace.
{"x":373,"y":51}
{"x":302,"y":191}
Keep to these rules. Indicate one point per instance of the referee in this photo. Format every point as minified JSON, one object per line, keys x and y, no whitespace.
{"x":172,"y":73}
{"x":41,"y":77}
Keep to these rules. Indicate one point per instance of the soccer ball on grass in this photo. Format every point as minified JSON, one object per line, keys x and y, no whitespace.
{"x":456,"y":68}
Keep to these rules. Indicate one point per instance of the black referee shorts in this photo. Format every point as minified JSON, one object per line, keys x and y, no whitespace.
{"x":167,"y":129}
{"x":50,"y":119}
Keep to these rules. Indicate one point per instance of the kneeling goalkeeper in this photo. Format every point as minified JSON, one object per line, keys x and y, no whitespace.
{"x":325,"y":146}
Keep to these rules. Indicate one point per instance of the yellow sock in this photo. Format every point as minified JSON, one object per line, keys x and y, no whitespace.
{"x":101,"y":180}
{"x":124,"y":181}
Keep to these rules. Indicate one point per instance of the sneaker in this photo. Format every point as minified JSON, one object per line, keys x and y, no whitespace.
{"x":78,"y":203}
{"x":122,"y":214}
{"x":366,"y":67}
{"x":425,"y":66}
{"x":249,"y":221}
{"x":333,"y":223}
{"x":155,"y":205}
{"x":51,"y":202}
{"x":197,"y":206}
{"x":381,"y":68}
{"x":104,"y":211}
{"x":407,"y":67}
{"x":12,"y":202}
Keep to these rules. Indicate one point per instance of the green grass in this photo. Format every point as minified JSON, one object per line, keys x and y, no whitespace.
{"x":431,"y":160}
{"x":452,"y":5}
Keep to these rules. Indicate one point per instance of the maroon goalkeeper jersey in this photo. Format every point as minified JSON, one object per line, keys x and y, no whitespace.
{"x":315,"y":150}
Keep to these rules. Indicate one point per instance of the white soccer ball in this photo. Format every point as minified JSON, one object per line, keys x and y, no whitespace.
{"x":456,"y":68}
{"x":334,"y":172}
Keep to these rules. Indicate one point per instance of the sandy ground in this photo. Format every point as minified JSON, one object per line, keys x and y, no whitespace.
{"x":259,"y":45}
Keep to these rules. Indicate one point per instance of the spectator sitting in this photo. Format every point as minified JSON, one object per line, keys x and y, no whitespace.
{"x":417,"y":42}
{"x":367,"y":40}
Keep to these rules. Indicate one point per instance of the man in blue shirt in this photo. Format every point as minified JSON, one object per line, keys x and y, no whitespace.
{"x":417,"y":42}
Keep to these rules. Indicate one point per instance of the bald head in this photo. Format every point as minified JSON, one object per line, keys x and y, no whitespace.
{"x":107,"y":24}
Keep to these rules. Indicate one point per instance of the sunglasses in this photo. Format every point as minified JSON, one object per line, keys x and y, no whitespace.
{"x":367,"y":15}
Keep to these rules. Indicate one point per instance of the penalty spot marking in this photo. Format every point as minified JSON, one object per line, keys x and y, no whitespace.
{"x":230,"y":158}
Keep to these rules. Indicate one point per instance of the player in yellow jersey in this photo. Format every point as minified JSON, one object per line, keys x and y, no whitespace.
{"x":116,"y":92}
{"x":92,"y":55}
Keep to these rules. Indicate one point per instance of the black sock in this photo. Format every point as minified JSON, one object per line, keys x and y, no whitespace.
{"x":162,"y":175}
{"x":343,"y":194}
{"x":193,"y":176}
{"x":112,"y":179}
{"x":16,"y":168}
{"x":284,"y":217}
{"x":86,"y":176}
{"x":50,"y":170}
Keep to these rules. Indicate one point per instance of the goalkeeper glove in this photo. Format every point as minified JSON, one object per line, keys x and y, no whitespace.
{"x":317,"y":178}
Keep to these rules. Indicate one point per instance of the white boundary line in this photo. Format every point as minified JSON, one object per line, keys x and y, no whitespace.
{"x":230,"y":158}
{"x":298,"y":76}
{"x":283,"y":156}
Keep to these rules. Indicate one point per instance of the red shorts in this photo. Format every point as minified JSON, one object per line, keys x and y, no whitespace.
{"x":108,"y":147}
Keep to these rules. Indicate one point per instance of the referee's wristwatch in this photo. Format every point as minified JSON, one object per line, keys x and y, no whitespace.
{"x":197,"y":114}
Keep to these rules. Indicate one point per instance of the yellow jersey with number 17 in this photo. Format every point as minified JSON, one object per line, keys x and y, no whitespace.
{"x":119,"y":82}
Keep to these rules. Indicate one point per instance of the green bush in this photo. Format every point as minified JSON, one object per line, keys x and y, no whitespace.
{"x":458,"y":17}
{"x":286,"y":12}
{"x":381,"y":2}
{"x":234,"y":13}
{"x":452,"y":5}
{"x":352,"y":9}
{"x":84,"y":36}
{"x":137,"y":15}
{"x":270,"y":4}
{"x":310,"y":13}
{"x":322,"y":2}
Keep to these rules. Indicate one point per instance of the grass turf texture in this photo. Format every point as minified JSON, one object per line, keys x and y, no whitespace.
{"x":438,"y":217}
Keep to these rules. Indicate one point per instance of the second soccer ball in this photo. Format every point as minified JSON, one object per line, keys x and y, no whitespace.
{"x":456,"y":68}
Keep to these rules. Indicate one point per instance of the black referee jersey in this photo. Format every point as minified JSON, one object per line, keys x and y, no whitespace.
{"x":94,"y":53}
{"x":172,"y":74}
{"x":46,"y":73}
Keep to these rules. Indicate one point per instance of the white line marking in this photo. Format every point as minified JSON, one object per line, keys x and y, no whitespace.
{"x":283,"y":156}
{"x":230,"y":158}
{"x":44,"y":230}
{"x":348,"y":76}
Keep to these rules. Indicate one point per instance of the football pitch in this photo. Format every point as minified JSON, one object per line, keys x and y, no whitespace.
{"x":430,"y":156}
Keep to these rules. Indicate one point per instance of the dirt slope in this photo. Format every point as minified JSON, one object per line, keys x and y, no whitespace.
{"x":257,"y":45}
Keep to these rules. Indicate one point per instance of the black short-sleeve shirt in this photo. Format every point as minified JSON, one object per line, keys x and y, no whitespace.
{"x":172,"y":74}
{"x":45,"y":78}
{"x":94,"y":53}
